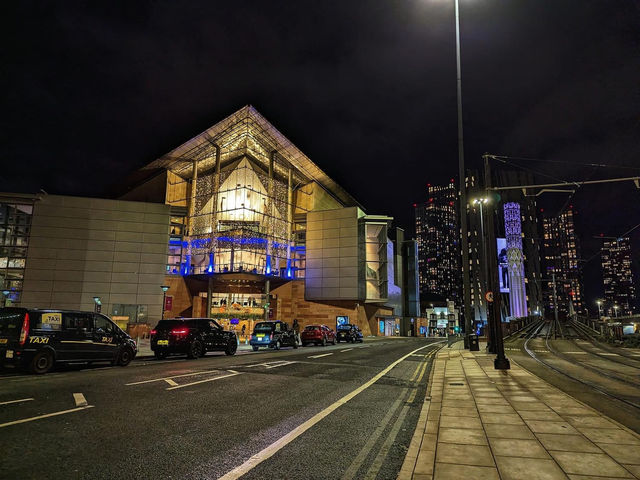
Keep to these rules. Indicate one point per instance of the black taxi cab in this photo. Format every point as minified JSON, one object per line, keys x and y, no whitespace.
{"x":273,"y":334}
{"x":37,"y":339}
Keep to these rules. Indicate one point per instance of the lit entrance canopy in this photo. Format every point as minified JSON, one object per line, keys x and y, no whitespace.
{"x":246,"y":132}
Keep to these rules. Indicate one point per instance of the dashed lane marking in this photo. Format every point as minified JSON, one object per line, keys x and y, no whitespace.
{"x":577,"y":353}
{"x":232,"y":374}
{"x":347,"y":350}
{"x":17,"y":401}
{"x":80,"y":400}
{"x":610,"y":354}
{"x":282,"y":364}
{"x":272,"y":449}
{"x":322,"y":355}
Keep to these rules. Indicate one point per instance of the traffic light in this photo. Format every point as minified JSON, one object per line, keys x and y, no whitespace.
{"x":456,"y":329}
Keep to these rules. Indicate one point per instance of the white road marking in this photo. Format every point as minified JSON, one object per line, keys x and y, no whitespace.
{"x":31,"y":419}
{"x":170,"y":382}
{"x":174,"y":376}
{"x":610,"y":354}
{"x":80,"y":400}
{"x":577,"y":353}
{"x":205,"y":380}
{"x":272,"y":449}
{"x":280,"y":364}
{"x":322,"y":355}
{"x":347,"y":350}
{"x":17,"y":401}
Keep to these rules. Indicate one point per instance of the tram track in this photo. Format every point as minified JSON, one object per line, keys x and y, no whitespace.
{"x":550,"y":328}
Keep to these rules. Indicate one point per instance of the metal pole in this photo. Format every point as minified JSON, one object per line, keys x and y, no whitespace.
{"x":164,"y":296}
{"x":464,"y":244}
{"x":267,"y":289}
{"x":485,"y":259}
{"x":501,"y":362}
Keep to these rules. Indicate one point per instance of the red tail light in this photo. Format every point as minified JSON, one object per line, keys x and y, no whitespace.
{"x":180,"y":331}
{"x":153,"y":332}
{"x":24,"y":333}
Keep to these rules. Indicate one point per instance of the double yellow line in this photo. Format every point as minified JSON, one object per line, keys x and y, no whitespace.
{"x":418,"y":375}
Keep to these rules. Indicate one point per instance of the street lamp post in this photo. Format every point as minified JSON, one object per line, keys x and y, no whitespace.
{"x":615,"y":309}
{"x":164,"y":298}
{"x":5,"y":300}
{"x":599,"y":310}
{"x":464,"y":244}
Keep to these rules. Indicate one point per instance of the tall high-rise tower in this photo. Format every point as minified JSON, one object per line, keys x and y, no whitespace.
{"x":438,"y":240}
{"x":561,"y":254}
{"x":619,"y":289}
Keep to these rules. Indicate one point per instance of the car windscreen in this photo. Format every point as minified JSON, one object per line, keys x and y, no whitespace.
{"x":345,"y":326}
{"x":167,"y":324}
{"x":11,"y":321}
{"x":263,"y":327}
{"x":310,"y":328}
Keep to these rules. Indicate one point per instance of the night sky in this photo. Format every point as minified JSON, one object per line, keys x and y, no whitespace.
{"x":94,"y":90}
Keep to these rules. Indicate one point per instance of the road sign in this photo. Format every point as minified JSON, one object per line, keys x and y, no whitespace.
{"x":488,"y":296}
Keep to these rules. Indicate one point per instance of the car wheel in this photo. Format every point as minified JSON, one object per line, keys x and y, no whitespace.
{"x":324,"y":341}
{"x":160,"y":354}
{"x":125,"y":357}
{"x":195,"y":349}
{"x":278,"y":345}
{"x":42,"y":362}
{"x":334,"y":341}
{"x":232,"y":346}
{"x":255,"y":348}
{"x":353,"y":340}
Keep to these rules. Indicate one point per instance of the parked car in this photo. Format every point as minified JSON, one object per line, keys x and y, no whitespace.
{"x":349,"y":333}
{"x":317,"y":334}
{"x":273,"y":335}
{"x":191,"y":336}
{"x":37,"y":339}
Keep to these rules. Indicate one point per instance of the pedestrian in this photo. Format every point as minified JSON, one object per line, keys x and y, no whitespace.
{"x":244,"y":328}
{"x":296,"y":329}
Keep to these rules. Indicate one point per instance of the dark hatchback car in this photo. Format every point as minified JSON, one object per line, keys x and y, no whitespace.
{"x":349,"y":333}
{"x":191,"y":336}
{"x":273,"y":335}
{"x":37,"y":339}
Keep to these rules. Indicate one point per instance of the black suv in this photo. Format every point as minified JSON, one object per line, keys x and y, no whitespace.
{"x":273,"y":335}
{"x":193,"y":336}
{"x":37,"y":339}
{"x":349,"y":333}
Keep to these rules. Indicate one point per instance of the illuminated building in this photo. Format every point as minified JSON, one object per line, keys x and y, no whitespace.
{"x":513,"y":233}
{"x":437,"y":236}
{"x":617,"y":276}
{"x":256,"y":223}
{"x":237,"y":222}
{"x":561,"y":255}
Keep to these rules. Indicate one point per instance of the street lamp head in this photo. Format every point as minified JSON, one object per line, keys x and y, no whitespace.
{"x":598,"y":302}
{"x":482,"y":200}
{"x":164,"y":288}
{"x":96,"y":299}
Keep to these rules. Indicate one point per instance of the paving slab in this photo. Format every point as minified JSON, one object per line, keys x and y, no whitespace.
{"x":511,"y":425}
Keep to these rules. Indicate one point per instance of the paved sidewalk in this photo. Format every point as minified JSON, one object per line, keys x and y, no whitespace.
{"x":480,"y":423}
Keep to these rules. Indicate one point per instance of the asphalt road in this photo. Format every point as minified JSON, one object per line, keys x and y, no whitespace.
{"x":310,"y":413}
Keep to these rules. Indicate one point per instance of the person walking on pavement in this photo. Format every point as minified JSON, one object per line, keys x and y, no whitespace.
{"x":296,"y":329}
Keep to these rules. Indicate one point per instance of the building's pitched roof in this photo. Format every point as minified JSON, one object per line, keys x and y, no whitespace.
{"x":233,"y":135}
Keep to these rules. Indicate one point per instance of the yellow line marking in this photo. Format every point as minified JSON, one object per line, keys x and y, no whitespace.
{"x":31,"y":419}
{"x":412,"y":397}
{"x":272,"y":449}
{"x":170,"y":382}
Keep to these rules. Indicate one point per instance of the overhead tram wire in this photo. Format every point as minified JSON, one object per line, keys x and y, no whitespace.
{"x":561,"y":162}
